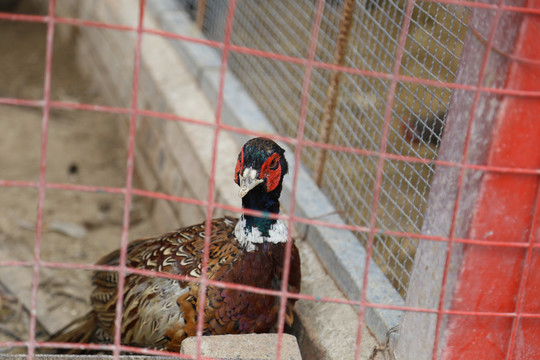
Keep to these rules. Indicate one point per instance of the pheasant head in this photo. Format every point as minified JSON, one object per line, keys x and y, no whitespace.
{"x":259,"y":172}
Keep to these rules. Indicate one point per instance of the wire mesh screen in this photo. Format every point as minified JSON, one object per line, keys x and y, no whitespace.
{"x":348,"y":110}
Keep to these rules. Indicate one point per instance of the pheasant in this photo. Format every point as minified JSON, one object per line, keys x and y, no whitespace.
{"x":159,"y":313}
{"x":425,"y":131}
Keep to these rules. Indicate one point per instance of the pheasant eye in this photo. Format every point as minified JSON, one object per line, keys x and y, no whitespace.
{"x":274,"y":163}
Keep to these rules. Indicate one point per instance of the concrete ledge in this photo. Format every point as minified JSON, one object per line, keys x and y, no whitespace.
{"x":225,"y":347}
{"x":244,"y":347}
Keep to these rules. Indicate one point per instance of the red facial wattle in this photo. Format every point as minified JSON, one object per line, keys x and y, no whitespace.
{"x":239,"y":166}
{"x":271,"y":170}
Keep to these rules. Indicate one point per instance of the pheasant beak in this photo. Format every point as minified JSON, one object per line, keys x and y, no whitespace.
{"x":248,"y":181}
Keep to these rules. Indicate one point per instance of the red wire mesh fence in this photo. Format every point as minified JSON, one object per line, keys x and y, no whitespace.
{"x":227,"y":25}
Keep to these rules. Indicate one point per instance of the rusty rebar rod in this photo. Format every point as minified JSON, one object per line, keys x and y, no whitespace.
{"x":332,"y":91}
{"x":201,"y":10}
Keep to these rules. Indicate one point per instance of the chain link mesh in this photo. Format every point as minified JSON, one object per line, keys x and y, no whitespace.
{"x":432,"y":51}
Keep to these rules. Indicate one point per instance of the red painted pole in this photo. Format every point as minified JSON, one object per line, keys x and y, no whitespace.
{"x":493,"y":279}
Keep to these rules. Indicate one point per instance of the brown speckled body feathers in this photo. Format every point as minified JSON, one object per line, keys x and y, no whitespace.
{"x":160,"y":313}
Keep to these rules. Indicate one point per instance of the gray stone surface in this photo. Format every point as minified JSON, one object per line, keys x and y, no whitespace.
{"x":326,"y":330}
{"x":244,"y":347}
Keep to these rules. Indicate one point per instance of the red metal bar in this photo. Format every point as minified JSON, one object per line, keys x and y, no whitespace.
{"x":295,"y":219}
{"x":462,"y":3}
{"x":128,"y":188}
{"x":381,"y":161}
{"x":297,"y":157}
{"x":285,"y":139}
{"x":211,"y":181}
{"x":42,"y":173}
{"x":291,"y":59}
{"x":222,"y":284}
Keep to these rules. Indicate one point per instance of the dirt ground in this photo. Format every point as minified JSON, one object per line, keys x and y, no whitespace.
{"x":83,"y":148}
